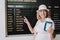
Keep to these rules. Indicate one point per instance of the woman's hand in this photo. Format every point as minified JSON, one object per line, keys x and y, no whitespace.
{"x":50,"y":30}
{"x":26,"y":20}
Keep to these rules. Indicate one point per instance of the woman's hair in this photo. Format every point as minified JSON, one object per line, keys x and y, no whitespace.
{"x":48,"y":14}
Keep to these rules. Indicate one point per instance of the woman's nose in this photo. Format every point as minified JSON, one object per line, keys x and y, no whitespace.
{"x":42,"y":11}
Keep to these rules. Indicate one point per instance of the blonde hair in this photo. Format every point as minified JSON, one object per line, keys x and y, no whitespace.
{"x":48,"y":14}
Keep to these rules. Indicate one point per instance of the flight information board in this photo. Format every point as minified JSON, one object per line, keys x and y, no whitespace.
{"x":15,"y":20}
{"x":16,"y":13}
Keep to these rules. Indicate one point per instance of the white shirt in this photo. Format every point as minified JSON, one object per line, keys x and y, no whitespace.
{"x":39,"y":29}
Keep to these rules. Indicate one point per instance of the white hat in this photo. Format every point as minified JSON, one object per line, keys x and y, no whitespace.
{"x":41,"y":7}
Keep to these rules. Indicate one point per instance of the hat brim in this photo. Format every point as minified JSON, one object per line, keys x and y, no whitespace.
{"x":44,"y":9}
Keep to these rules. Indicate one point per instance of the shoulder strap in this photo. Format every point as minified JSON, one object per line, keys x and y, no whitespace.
{"x":46,"y":24}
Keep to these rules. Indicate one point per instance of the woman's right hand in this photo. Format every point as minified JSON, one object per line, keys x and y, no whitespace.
{"x":26,"y":20}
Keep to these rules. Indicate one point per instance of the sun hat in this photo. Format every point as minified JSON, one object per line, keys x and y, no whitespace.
{"x":43,"y":7}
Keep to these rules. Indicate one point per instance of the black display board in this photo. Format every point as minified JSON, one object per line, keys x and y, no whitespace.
{"x":56,"y":18}
{"x":15,"y":19}
{"x":17,"y":11}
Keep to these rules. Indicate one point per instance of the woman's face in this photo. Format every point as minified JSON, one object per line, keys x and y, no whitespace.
{"x":42,"y":13}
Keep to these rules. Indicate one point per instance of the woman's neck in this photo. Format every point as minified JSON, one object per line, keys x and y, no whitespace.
{"x":42,"y":19}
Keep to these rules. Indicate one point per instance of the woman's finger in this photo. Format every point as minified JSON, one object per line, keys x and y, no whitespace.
{"x":25,"y":17}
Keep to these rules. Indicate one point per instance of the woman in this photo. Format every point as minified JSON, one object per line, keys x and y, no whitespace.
{"x":44,"y":26}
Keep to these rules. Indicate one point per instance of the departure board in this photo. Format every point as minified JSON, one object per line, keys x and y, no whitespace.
{"x":17,"y":11}
{"x":10,"y":20}
{"x":56,"y":18}
{"x":15,"y":20}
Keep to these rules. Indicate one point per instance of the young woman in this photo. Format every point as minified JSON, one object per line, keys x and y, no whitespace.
{"x":44,"y":26}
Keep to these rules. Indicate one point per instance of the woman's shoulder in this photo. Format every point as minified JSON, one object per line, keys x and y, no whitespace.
{"x":49,"y":19}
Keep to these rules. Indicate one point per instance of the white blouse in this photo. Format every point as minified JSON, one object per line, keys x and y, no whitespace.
{"x":41,"y":29}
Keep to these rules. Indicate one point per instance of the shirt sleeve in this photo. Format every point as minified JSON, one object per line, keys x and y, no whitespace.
{"x":53,"y":26}
{"x":50,"y":25}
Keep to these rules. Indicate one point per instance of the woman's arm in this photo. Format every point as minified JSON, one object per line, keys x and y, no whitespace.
{"x":30,"y":28}
{"x":29,"y":25}
{"x":50,"y":30}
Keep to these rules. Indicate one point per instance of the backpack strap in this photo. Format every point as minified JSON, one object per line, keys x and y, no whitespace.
{"x":46,"y":24}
